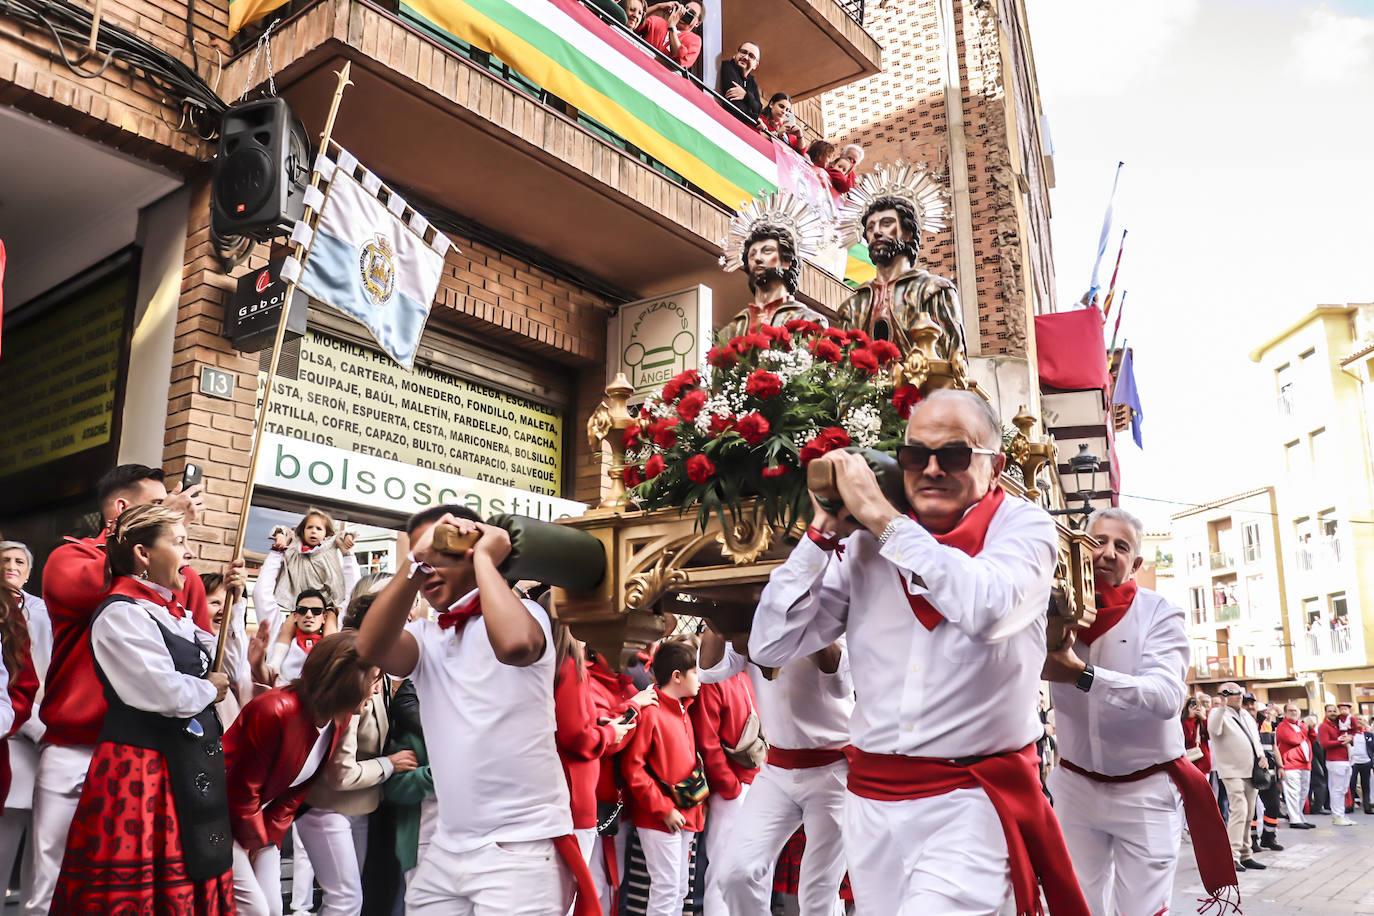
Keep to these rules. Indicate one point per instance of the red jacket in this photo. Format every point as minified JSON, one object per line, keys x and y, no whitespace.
{"x":1195,"y":735}
{"x":581,"y":741}
{"x":264,"y":751}
{"x":841,"y":182}
{"x":662,"y":740}
{"x":1290,"y":737}
{"x":611,"y":695}
{"x":23,"y":688}
{"x":1329,"y":735}
{"x":718,"y":716}
{"x":74,"y":584}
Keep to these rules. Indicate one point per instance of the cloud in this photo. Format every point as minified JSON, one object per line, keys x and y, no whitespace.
{"x":1112,"y":44}
{"x":1331,"y":49}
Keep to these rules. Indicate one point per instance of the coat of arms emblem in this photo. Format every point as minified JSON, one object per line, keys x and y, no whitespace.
{"x":377,"y":269}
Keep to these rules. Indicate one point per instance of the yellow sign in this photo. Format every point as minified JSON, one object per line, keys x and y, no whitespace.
{"x":63,"y":367}
{"x":359,"y":400}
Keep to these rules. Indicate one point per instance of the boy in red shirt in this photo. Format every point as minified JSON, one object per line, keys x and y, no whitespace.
{"x":661,"y":754}
{"x":719,"y":717}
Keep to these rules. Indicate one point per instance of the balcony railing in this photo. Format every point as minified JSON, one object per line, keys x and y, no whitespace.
{"x":1212,"y":671}
{"x":1287,"y":403}
{"x":1319,"y":553}
{"x":1251,"y":553}
{"x":1199,"y":616}
{"x":1228,"y":612}
{"x":854,"y":9}
{"x":1222,"y":560}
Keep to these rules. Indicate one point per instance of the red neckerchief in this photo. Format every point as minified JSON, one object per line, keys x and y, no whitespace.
{"x":1113,"y":601}
{"x":306,"y":548}
{"x":137,"y":589}
{"x":968,"y":536}
{"x":307,"y":640}
{"x":458,"y":617}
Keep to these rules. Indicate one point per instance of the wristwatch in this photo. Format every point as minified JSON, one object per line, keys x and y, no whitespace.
{"x":1085,"y":680}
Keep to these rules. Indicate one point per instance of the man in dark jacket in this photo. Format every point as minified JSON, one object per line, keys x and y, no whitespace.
{"x":738,"y":86}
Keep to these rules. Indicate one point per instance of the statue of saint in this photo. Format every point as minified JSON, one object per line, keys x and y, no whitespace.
{"x":889,"y":210}
{"x":766,"y":236}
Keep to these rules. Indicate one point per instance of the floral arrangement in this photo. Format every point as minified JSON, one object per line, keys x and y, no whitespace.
{"x":766,"y":404}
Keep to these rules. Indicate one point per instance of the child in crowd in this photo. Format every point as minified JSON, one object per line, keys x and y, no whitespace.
{"x":841,"y":169}
{"x":311,"y":557}
{"x":665,"y":778}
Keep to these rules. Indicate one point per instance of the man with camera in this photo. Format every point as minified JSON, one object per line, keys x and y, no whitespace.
{"x":670,"y":28}
{"x":943,"y":607}
{"x":1239,"y":762}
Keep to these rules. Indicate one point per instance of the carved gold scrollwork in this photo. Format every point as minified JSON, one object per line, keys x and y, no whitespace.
{"x":599,"y":425}
{"x":643,"y":590}
{"x":745,"y":540}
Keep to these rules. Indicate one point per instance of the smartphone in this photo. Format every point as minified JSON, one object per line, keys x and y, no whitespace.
{"x":194,"y":475}
{"x":629,"y":715}
{"x":688,"y":18}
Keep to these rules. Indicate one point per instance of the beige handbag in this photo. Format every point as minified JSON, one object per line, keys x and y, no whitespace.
{"x":752,"y":748}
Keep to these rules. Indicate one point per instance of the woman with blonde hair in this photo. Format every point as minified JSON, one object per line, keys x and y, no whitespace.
{"x":151,"y":832}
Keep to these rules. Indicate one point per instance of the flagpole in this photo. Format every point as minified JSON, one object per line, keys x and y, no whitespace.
{"x":1102,"y":238}
{"x":1120,"y":311}
{"x":1111,"y":287}
{"x":261,"y":424}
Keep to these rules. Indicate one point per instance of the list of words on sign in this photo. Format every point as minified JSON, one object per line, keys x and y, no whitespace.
{"x":354,"y":398}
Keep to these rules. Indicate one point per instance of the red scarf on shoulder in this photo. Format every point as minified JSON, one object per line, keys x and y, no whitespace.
{"x":968,"y":536}
{"x":307,"y":640}
{"x":1113,"y":601}
{"x":459,"y":616}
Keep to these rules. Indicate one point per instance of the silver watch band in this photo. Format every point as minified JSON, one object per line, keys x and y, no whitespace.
{"x":890,"y":530}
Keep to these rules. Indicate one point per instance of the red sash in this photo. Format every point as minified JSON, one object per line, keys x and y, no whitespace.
{"x":807,"y":759}
{"x":968,"y":536}
{"x":1113,"y":601}
{"x":586,"y":903}
{"x":1035,"y":845}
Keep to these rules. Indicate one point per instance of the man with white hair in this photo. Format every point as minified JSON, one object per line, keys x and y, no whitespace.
{"x":1124,"y":785}
{"x":942,"y":604}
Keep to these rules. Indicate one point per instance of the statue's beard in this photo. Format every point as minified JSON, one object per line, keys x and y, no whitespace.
{"x":885,"y":250}
{"x":764,"y":276}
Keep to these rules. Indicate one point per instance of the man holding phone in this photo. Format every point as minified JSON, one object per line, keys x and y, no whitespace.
{"x":670,"y":29}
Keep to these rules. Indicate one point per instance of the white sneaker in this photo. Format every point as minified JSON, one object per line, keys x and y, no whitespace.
{"x":1340,"y":820}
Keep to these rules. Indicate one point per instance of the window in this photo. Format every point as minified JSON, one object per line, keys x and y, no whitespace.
{"x":1283,"y":379}
{"x":1292,"y":458}
{"x":1340,"y":622}
{"x":374,"y":561}
{"x":1317,"y":444}
{"x":1250,"y":539}
{"x":1255,"y":596}
{"x":1195,"y":560}
{"x":1198,"y":601}
{"x":1327,"y":522}
{"x":1318,"y":639}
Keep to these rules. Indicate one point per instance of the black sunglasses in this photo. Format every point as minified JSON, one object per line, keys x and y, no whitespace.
{"x":952,"y":458}
{"x":309,"y":611}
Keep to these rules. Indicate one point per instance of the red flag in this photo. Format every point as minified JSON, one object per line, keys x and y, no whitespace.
{"x":1111,"y":288}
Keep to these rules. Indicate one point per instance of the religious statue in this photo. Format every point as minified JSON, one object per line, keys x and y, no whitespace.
{"x":888,"y":210}
{"x":769,"y":236}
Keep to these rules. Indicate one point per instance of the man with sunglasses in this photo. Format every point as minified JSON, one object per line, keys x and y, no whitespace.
{"x":741,"y":94}
{"x":1124,"y":783}
{"x":942,"y":603}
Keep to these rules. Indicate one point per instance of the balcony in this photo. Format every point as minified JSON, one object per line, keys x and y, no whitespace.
{"x":1321,"y":553}
{"x":1228,"y":612}
{"x":1214,"y":669}
{"x":807,"y":46}
{"x":1251,"y":553}
{"x":632,"y":194}
{"x":1222,"y":560}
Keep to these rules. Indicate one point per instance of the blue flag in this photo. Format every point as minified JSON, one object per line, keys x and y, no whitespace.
{"x":1128,"y":395}
{"x":1093,"y":285}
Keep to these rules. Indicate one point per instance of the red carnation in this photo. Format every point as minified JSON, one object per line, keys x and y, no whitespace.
{"x":857,"y":336}
{"x":721,"y":357}
{"x":664,"y":432}
{"x":680,"y":382}
{"x":904,"y":399}
{"x":828,"y":439}
{"x":835,"y":437}
{"x":753,"y":428}
{"x":836,"y":335}
{"x":775,"y":470}
{"x":632,"y":475}
{"x":755,"y":341}
{"x":763,"y":384}
{"x":826,"y":349}
{"x":653,"y":467}
{"x":885,"y":350}
{"x":691,"y":405}
{"x":700,"y":469}
{"x":721,"y":423}
{"x":802,"y":326}
{"x":863,"y":358}
{"x":631,"y":438}
{"x":671,"y":390}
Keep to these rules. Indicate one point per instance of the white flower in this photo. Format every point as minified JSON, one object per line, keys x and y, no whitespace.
{"x":863,"y":425}
{"x":800,"y":439}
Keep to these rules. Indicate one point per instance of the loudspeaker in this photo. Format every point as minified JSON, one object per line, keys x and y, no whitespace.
{"x":262,"y":169}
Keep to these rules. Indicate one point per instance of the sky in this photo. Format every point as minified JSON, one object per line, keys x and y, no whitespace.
{"x":1247,"y":132}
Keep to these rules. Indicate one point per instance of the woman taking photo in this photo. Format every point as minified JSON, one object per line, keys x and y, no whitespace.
{"x":151,"y":833}
{"x":277,"y":748}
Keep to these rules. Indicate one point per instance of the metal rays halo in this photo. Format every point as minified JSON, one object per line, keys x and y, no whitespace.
{"x":810,"y":230}
{"x":911,"y":181}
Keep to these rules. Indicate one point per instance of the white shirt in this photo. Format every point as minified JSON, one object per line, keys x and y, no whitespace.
{"x":129,"y":649}
{"x":316,"y":756}
{"x":968,"y":687}
{"x":40,"y":650}
{"x":803,"y":708}
{"x":1359,"y":751}
{"x":1128,"y":719}
{"x":489,"y":729}
{"x":265,"y":588}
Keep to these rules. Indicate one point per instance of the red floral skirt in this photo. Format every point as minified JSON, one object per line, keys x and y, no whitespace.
{"x":124,"y":850}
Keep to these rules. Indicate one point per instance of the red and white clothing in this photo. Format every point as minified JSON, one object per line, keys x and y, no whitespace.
{"x":73,"y":707}
{"x":805,"y":714}
{"x":612,"y":693}
{"x":503,"y":800}
{"x":17,"y":819}
{"x":967,"y":686}
{"x":718,"y":718}
{"x":1124,"y":836}
{"x":1338,"y":766}
{"x":654,"y":30}
{"x":1295,"y":759}
{"x":266,"y":600}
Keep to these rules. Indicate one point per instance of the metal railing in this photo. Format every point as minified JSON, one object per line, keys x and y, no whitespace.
{"x":1228,"y":612}
{"x":1222,"y":560}
{"x":1252,"y":553}
{"x":854,"y":9}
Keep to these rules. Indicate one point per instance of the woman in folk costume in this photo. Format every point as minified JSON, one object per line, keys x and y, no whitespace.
{"x":311,"y":557}
{"x":18,"y":681}
{"x":151,"y":832}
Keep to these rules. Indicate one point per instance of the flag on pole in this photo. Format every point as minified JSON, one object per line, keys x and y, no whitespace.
{"x":377,"y":262}
{"x":1128,"y":395}
{"x":1121,"y":310}
{"x":1111,"y":287}
{"x":1094,"y":286}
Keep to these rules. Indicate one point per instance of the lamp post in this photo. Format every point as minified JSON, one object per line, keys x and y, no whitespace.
{"x":1084,"y":466}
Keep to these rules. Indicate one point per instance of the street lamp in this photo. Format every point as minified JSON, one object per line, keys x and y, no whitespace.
{"x":1084,"y":466}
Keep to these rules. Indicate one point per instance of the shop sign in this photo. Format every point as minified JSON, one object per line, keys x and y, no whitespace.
{"x":250,"y":321}
{"x":328,"y":473}
{"x":654,"y":339}
{"x":358,"y":400}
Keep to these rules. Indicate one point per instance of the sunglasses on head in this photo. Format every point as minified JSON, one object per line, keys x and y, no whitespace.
{"x":952,"y":458}
{"x":309,"y":611}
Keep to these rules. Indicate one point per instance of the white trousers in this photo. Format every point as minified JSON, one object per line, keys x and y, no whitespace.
{"x":780,"y":801}
{"x":337,"y":845}
{"x":668,"y":859}
{"x":604,"y":891}
{"x":1296,"y":785}
{"x":302,"y":875}
{"x":946,"y":854}
{"x":1338,"y":783}
{"x":56,"y":793}
{"x":257,"y":885}
{"x":589,"y":843}
{"x":1123,"y":839}
{"x":498,"y":879}
{"x":17,"y":819}
{"x":724,"y":818}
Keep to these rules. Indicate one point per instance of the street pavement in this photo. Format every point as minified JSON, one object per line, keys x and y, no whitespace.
{"x":1329,"y":870}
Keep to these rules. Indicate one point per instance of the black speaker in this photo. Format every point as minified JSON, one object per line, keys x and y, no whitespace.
{"x":262,"y":169}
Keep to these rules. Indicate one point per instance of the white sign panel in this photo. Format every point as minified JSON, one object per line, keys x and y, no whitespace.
{"x":654,"y":339}
{"x":322,"y":471}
